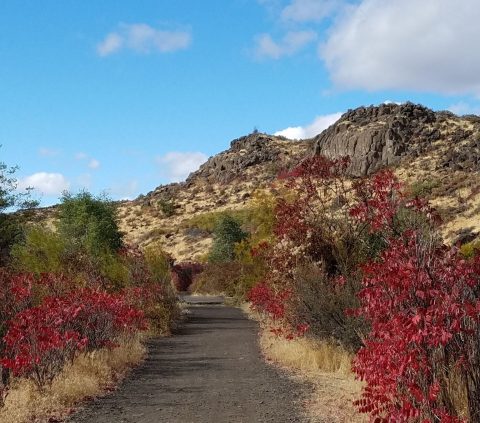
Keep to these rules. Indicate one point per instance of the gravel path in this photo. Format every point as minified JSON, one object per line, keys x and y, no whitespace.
{"x":212,"y":371}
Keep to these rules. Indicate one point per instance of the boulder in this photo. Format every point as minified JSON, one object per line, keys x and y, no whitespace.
{"x":378,"y":136}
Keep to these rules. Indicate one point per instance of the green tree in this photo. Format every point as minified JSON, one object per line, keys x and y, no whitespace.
{"x":11,"y":200}
{"x":89,"y":223}
{"x":227,"y":234}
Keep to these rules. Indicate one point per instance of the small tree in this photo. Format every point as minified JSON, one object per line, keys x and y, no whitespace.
{"x":10,"y":200}
{"x":89,"y":223}
{"x":228,"y":232}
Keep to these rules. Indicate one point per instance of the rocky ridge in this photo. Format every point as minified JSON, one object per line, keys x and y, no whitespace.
{"x":378,"y":136}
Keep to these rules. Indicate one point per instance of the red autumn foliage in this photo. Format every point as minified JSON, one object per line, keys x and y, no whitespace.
{"x":46,"y":320}
{"x":40,"y":340}
{"x":183,"y":274}
{"x":422,"y":301}
{"x":420,"y":298}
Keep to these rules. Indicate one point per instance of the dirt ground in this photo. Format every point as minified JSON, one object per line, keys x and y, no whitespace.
{"x":211,"y":371}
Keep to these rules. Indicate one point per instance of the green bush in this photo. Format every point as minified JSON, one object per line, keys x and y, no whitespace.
{"x":89,"y":223}
{"x":209,"y":221}
{"x":423,"y":188}
{"x":11,"y":199}
{"x":167,"y":207}
{"x":113,"y":268}
{"x":159,"y":264}
{"x":470,"y":249}
{"x":227,"y":233}
{"x":41,"y":251}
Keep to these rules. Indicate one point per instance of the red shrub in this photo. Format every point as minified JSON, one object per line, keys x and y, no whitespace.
{"x":420,"y":299}
{"x":40,"y":340}
{"x":183,"y":274}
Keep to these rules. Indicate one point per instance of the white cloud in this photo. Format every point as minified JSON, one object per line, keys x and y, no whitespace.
{"x":126,"y":191}
{"x":291,"y":43}
{"x":426,"y":46}
{"x":309,"y":10}
{"x":93,"y":164}
{"x":81,"y":156}
{"x":464,"y":108}
{"x":142,"y":38}
{"x":176,"y":166}
{"x":48,"y":152}
{"x":45,"y":183}
{"x":112,"y":43}
{"x":319,"y":124}
{"x":392,"y":102}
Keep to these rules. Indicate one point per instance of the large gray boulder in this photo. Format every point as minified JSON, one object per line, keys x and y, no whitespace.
{"x":378,"y":136}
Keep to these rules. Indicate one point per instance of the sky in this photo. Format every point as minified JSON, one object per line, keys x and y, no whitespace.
{"x":122,"y":96}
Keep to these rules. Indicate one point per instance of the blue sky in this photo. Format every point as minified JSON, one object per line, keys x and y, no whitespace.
{"x":125,"y":95}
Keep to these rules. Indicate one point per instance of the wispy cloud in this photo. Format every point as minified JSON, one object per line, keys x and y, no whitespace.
{"x":291,"y":43}
{"x":45,"y":183}
{"x":48,"y":152}
{"x":81,"y":156}
{"x":112,"y":43}
{"x":126,"y":191}
{"x":93,"y":164}
{"x":465,"y":108}
{"x":142,"y":38}
{"x":176,"y":166}
{"x":319,"y":124}
{"x":310,"y":10}
{"x":84,"y":181}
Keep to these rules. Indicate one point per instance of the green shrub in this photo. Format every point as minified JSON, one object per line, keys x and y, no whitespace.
{"x":41,"y":251}
{"x":11,"y":199}
{"x":159,"y":264}
{"x":261,"y":216}
{"x":89,"y":223}
{"x":114,"y":269}
{"x":227,"y":233}
{"x":209,"y":221}
{"x":167,"y":207}
{"x":470,"y":249}
{"x":423,"y":188}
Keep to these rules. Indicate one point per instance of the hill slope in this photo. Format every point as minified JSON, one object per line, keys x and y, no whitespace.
{"x":436,"y":153}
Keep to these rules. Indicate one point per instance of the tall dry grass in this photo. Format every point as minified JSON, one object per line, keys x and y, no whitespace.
{"x":324,"y":365}
{"x":89,"y":375}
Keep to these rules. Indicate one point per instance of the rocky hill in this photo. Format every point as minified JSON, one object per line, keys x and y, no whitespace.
{"x":374,"y":137}
{"x":225,"y":182}
{"x":437,"y":154}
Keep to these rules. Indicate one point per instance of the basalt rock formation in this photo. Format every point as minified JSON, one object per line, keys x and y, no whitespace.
{"x":374,"y":137}
{"x":252,"y":151}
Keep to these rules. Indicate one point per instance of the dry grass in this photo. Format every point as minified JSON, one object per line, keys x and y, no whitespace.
{"x":88,"y":376}
{"x":307,"y":355}
{"x":325,"y":366}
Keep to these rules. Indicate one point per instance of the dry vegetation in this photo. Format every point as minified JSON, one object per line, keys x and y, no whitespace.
{"x":88,"y":376}
{"x":324,"y":366}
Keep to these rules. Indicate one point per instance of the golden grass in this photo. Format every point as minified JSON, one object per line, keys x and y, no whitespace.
{"x":306,"y":355}
{"x":327,"y":367}
{"x":89,"y":375}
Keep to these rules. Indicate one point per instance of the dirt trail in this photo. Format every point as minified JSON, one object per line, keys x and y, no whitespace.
{"x":212,"y":371}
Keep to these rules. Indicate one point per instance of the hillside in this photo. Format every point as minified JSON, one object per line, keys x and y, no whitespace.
{"x":225,"y":182}
{"x":436,"y":153}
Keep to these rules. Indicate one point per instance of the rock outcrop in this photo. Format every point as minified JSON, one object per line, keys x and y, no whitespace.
{"x":245,"y":153}
{"x":374,"y":137}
